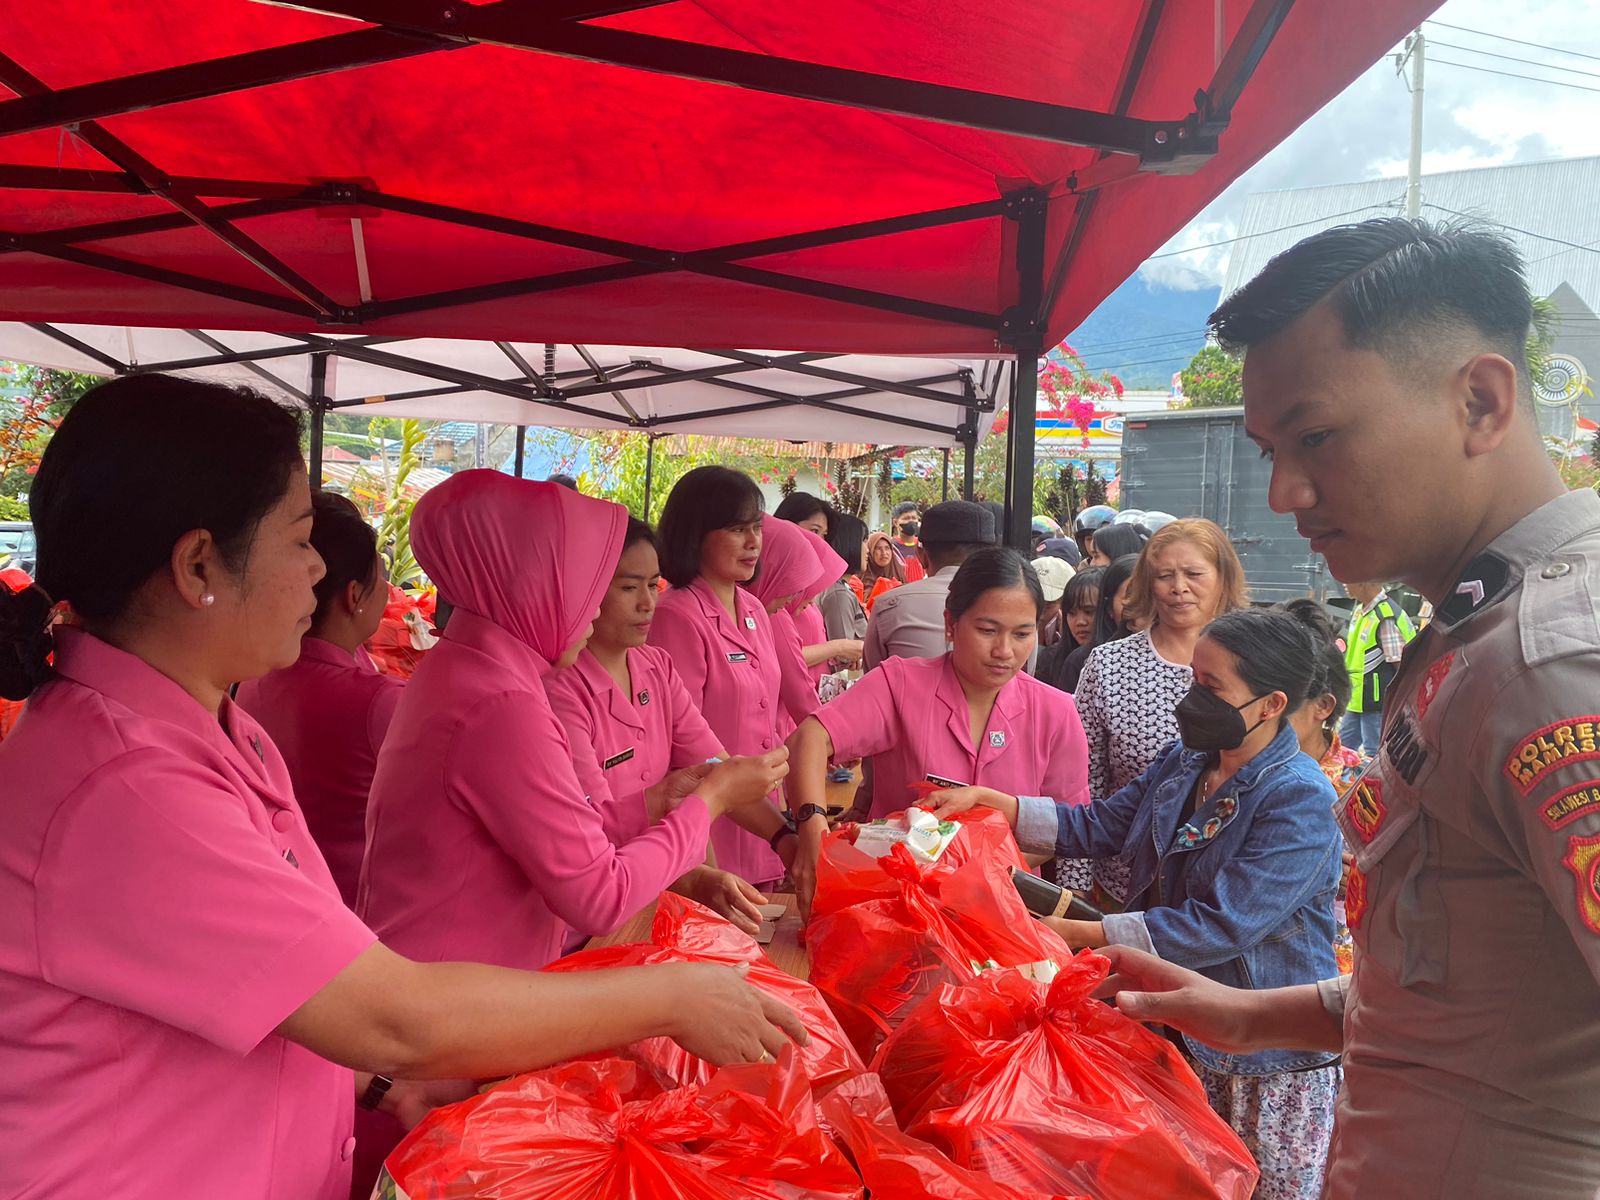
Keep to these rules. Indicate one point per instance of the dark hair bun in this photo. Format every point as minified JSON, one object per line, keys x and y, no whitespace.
{"x":24,"y":641}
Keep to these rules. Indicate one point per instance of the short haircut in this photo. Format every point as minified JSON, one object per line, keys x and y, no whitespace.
{"x":904,"y":507}
{"x":1116,"y":540}
{"x":802,"y":506}
{"x":952,"y":554}
{"x":1208,"y":537}
{"x":986,"y":569}
{"x":639,"y":531}
{"x":1394,"y":283}
{"x":705,"y":499}
{"x":847,"y":533}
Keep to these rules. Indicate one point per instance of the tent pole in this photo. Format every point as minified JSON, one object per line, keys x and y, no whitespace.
{"x":1026,"y":321}
{"x":649,"y":473}
{"x":970,"y":445}
{"x":319,"y":413}
{"x":944,"y":491}
{"x":522,"y":439}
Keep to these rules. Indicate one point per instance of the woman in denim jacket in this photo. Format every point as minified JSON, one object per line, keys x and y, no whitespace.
{"x":1235,"y":863}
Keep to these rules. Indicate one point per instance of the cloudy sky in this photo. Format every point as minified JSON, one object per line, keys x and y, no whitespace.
{"x":1472,"y":118}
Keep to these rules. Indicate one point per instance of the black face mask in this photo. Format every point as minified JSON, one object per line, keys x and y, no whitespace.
{"x":910,"y":529}
{"x":1208,"y":722}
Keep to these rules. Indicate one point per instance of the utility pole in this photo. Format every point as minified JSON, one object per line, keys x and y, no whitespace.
{"x":1416,"y":55}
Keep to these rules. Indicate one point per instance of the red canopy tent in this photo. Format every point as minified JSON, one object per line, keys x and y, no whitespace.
{"x":951,"y":177}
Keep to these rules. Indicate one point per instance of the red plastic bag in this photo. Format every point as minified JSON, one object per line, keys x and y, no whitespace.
{"x":600,"y":1130}
{"x":1048,"y":1088}
{"x":886,"y":933}
{"x":404,"y":634}
{"x":896,"y":1166}
{"x":688,"y":932}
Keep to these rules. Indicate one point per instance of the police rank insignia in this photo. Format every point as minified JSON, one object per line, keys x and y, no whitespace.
{"x":997,"y":738}
{"x":1583,"y":860}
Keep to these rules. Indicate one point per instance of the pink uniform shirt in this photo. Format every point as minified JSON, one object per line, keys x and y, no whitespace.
{"x":809,"y":622}
{"x":911,"y":716}
{"x":636,"y":737}
{"x":788,"y":568}
{"x":327,"y":715}
{"x":482,"y":844}
{"x":812,"y":629}
{"x":163,"y":909}
{"x":730,"y":669}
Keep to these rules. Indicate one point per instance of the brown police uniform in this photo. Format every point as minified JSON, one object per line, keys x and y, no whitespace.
{"x":1472,"y":1023}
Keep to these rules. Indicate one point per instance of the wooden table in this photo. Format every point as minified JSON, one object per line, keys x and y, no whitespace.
{"x":784,"y":950}
{"x":843,"y":795}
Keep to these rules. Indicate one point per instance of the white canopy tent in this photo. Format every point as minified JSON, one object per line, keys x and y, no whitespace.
{"x":919,"y":401}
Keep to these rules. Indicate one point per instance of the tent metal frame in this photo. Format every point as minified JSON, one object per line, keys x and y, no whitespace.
{"x":409,"y":28}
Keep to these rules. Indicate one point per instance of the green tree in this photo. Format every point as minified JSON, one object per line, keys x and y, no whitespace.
{"x":1212,"y":379}
{"x":44,"y":396}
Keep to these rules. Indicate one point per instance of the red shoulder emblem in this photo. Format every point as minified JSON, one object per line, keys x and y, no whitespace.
{"x":1571,"y":804}
{"x":1583,"y":860}
{"x":1428,"y":690}
{"x":1574,"y":739}
{"x":1364,"y":807}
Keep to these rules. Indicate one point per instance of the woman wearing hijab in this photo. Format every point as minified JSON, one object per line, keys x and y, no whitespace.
{"x":788,"y":569}
{"x":190,"y":1010}
{"x":884,"y":571}
{"x":329,"y":712}
{"x":480,"y":838}
{"x":822,"y":651}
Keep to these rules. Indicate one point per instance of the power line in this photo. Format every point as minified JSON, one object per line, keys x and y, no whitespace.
{"x":1577,"y":87}
{"x":1543,"y":237}
{"x":1531,"y":62}
{"x":1131,"y":343}
{"x":1500,"y":37}
{"x":1244,"y":237}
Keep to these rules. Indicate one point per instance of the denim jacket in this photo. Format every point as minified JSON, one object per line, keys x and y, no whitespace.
{"x":1247,"y":885}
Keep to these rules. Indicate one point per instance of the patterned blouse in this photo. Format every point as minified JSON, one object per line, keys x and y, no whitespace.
{"x":1126,"y":697}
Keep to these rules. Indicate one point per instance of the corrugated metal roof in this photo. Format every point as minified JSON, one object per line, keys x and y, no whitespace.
{"x":1538,"y":206}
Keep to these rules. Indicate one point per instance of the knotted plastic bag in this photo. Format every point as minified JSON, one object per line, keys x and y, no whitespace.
{"x":1044,"y":1087}
{"x":600,"y":1130}
{"x":886,"y":933}
{"x":684,"y":931}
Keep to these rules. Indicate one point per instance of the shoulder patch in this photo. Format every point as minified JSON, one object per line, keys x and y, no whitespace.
{"x":1571,"y":804}
{"x":1583,"y":860}
{"x":1428,"y":689}
{"x":1572,"y":739}
{"x":1480,"y":585}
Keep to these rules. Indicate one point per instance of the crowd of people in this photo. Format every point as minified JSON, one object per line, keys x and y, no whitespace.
{"x":252,"y":888}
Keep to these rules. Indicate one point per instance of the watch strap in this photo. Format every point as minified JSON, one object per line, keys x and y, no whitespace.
{"x":376,"y":1091}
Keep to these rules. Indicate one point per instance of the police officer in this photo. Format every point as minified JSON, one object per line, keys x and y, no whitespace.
{"x":1376,"y":639}
{"x":908,"y":622}
{"x":1386,"y":373}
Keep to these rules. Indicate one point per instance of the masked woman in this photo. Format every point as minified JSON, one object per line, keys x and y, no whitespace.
{"x":1234,"y":862}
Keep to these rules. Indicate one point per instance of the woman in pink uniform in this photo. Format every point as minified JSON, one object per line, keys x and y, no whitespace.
{"x":481,"y":840}
{"x":719,"y":638}
{"x":184,"y":994}
{"x":970,"y":716}
{"x":327,"y":713}
{"x":624,"y":700}
{"x":788,"y":568}
{"x":821,"y":651}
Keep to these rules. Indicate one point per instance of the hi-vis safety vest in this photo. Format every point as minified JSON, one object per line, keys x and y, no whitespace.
{"x":1363,"y":655}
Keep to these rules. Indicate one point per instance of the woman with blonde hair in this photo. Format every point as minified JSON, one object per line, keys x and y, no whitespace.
{"x":1187,"y":575}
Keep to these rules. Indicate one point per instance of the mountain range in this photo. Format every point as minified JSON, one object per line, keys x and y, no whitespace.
{"x":1143,"y":333}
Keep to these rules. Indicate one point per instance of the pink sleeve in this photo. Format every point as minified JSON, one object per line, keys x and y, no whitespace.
{"x":381,"y":711}
{"x":863,"y":721}
{"x":512,"y":766}
{"x":577,"y":722}
{"x":692,"y":739}
{"x":795,"y":687}
{"x":681,"y":638}
{"x":155,"y":893}
{"x":1066,"y":776}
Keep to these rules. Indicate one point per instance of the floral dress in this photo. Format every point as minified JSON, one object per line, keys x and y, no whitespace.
{"x":1126,"y":698}
{"x":1343,"y":767}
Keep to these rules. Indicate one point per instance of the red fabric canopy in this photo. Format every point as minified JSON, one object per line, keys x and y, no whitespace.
{"x":456,"y":151}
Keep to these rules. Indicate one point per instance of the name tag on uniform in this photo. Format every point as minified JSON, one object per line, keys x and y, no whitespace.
{"x":644,"y":698}
{"x":941,"y":782}
{"x":738,"y":656}
{"x":617,"y":759}
{"x":749,"y":622}
{"x":997,"y":738}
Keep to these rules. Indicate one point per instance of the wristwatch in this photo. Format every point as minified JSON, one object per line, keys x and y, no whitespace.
{"x":806,"y":811}
{"x":784,"y":831}
{"x":376,"y":1091}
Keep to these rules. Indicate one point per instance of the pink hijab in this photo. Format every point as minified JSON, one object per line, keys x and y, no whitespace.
{"x":533,"y":558}
{"x":830,"y":563}
{"x":787,"y":563}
